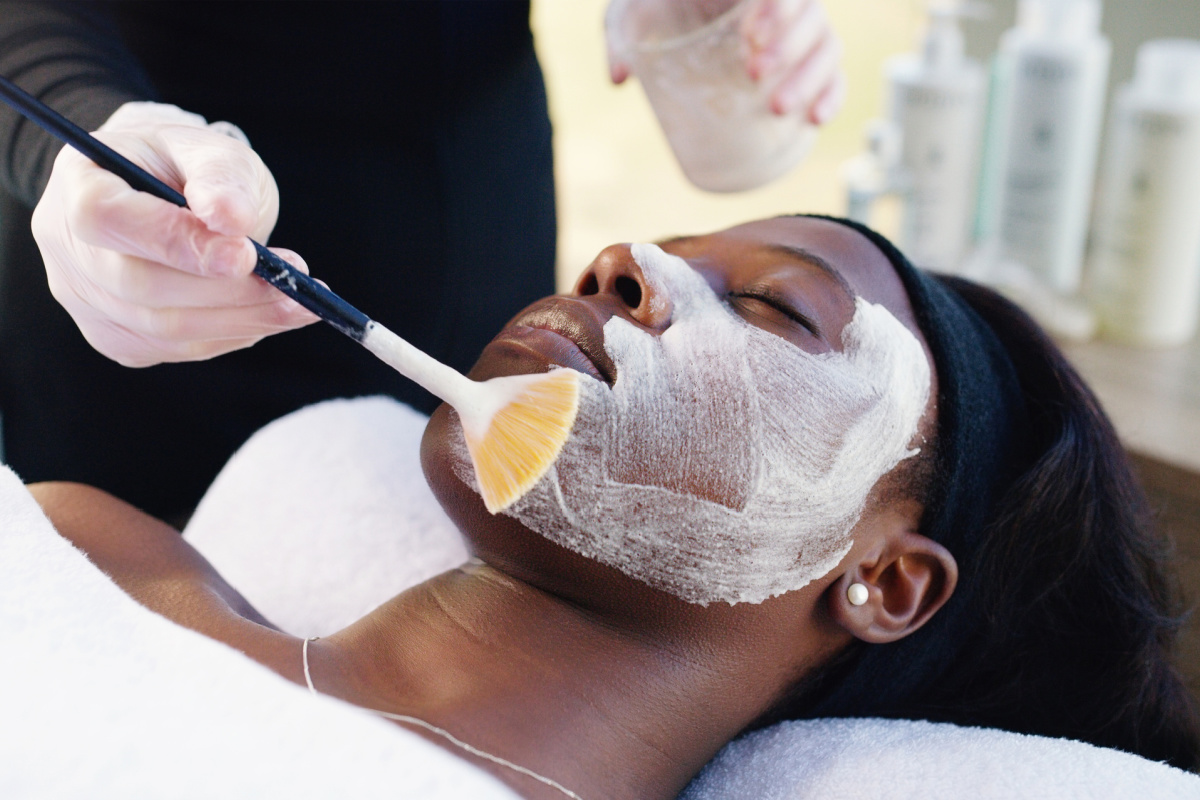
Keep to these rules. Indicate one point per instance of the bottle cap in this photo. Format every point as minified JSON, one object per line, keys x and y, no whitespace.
{"x":1168,"y":72}
{"x":943,"y":49}
{"x":1059,"y":19}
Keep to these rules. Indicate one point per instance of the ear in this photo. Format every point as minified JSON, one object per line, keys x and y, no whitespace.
{"x":908,"y":577}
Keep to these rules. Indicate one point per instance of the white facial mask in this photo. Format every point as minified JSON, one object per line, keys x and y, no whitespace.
{"x":726,"y":463}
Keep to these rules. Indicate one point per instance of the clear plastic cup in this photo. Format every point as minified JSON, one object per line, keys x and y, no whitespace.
{"x":690,"y":58}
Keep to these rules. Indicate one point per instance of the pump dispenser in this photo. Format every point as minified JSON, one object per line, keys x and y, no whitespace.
{"x":1144,"y":269}
{"x":1048,"y":97}
{"x":936,"y":101}
{"x":874,"y":178}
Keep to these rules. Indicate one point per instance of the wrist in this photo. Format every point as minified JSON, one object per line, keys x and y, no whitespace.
{"x":141,"y":114}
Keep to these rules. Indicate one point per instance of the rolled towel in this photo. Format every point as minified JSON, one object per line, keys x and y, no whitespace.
{"x":324,"y":514}
{"x":849,"y":759}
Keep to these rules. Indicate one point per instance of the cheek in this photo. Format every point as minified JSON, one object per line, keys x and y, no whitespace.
{"x":724,"y":467}
{"x":684,"y":415}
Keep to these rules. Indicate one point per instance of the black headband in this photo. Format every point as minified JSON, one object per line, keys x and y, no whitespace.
{"x":982,"y":430}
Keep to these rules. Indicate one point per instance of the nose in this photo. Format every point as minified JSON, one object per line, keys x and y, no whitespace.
{"x":615,"y":276}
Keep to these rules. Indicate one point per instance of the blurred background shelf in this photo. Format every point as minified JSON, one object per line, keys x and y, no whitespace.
{"x":1153,"y":397}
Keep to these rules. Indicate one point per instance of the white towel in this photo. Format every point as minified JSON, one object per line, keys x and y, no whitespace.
{"x":324,"y":513}
{"x":852,"y":759}
{"x":101,"y":698}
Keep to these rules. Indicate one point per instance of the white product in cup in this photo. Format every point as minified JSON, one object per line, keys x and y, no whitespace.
{"x":691,"y":60}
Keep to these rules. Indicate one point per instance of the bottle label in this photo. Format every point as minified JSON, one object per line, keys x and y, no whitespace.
{"x":1145,"y":267}
{"x":940,"y":157}
{"x":1056,"y":100}
{"x":1043,"y":128}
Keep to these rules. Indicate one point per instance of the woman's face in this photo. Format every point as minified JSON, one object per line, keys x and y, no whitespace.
{"x":747,"y":390}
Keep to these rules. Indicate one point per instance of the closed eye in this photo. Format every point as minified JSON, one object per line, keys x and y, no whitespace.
{"x":773,"y":300}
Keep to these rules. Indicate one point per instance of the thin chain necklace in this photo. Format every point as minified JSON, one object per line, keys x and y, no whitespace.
{"x":454,"y":740}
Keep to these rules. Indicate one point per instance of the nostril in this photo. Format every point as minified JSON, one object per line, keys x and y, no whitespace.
{"x":629,"y":290}
{"x":588,"y":286}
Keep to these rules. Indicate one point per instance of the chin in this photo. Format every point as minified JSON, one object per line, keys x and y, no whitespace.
{"x":438,"y":458}
{"x":443,"y":459}
{"x":505,"y":544}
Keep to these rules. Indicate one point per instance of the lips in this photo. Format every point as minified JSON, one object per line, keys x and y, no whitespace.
{"x":560,"y":331}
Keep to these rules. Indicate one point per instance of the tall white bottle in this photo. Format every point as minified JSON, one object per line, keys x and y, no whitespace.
{"x":936,"y":100}
{"x":1144,"y":267}
{"x":1051,"y":73}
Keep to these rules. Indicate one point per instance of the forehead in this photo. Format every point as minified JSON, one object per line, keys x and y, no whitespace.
{"x":860,"y":263}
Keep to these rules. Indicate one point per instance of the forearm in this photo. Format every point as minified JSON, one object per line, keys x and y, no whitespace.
{"x":71,"y":56}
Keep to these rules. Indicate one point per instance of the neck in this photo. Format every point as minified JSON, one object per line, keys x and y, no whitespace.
{"x":532,"y":679}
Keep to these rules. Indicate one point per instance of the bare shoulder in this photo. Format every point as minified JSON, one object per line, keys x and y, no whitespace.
{"x":155,"y":566}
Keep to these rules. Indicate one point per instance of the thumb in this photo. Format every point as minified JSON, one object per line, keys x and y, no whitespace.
{"x":226,"y":184}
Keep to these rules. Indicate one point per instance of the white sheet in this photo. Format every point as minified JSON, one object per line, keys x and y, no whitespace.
{"x":101,"y":698}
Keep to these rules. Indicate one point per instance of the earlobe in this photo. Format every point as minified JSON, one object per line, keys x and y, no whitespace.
{"x":895,"y":590}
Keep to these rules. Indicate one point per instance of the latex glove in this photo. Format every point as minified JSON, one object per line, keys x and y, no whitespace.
{"x":791,"y":44}
{"x":146,"y":281}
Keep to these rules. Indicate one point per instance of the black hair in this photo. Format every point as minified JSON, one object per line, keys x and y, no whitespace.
{"x":1072,"y":613}
{"x":1076,"y":611}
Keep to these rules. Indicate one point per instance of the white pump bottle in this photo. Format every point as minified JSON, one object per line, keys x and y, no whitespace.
{"x":936,"y":101}
{"x":1144,"y":268}
{"x":1048,"y":93}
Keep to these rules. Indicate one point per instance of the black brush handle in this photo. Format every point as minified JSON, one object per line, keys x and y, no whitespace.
{"x":311,"y":294}
{"x":271,"y":268}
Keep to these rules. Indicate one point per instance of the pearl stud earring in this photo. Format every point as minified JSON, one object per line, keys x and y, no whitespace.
{"x":857,"y":594}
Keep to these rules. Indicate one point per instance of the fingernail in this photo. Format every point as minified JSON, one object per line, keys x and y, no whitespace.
{"x":781,"y":101}
{"x":293,"y":258}
{"x":825,"y":108}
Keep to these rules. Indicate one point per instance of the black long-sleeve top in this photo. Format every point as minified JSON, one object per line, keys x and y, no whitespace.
{"x":411,"y":145}
{"x":378,"y":71}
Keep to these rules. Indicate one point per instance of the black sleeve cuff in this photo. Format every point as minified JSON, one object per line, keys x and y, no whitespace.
{"x":70,"y":56}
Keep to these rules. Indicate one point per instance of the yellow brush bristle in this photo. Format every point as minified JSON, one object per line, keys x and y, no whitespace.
{"x":524,"y":438}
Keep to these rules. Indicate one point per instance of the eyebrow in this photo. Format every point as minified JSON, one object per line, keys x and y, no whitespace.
{"x":797,"y":254}
{"x":811,"y":258}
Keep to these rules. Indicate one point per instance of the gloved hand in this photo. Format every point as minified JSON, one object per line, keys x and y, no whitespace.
{"x":145,"y":280}
{"x":790,"y":43}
